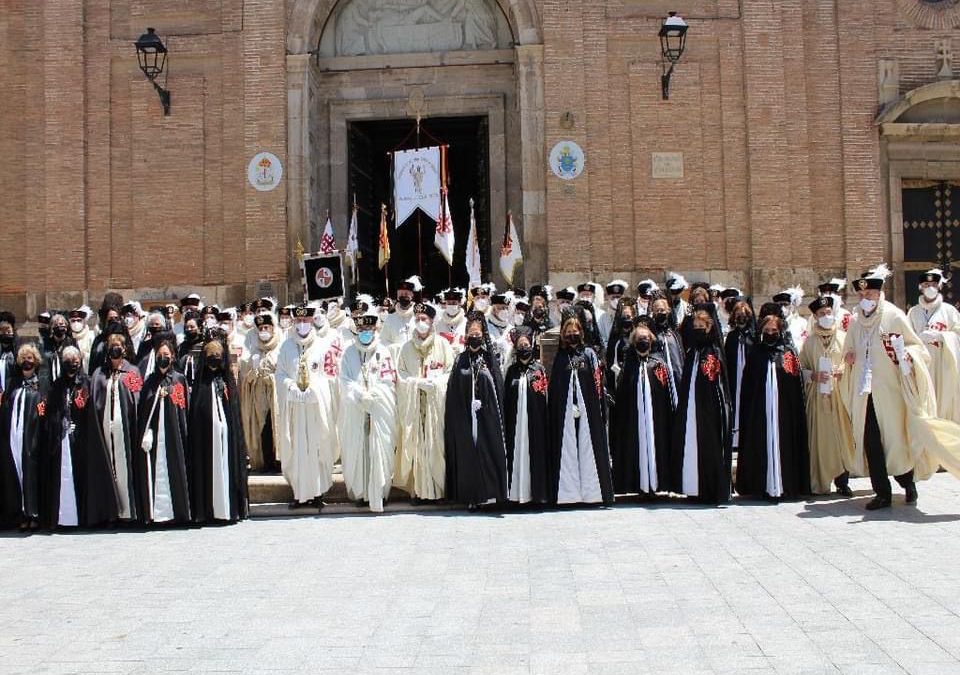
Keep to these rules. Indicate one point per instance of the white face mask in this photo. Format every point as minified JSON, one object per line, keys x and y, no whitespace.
{"x":481,"y":304}
{"x":319,"y":320}
{"x":285,"y":322}
{"x":518,"y":319}
{"x":210,"y":322}
{"x":248,"y":320}
{"x":131,"y":321}
{"x":614,"y":303}
{"x":303,"y":328}
{"x":826,"y":321}
{"x":867,"y":305}
{"x":931,"y":292}
{"x":561,"y":306}
{"x":452,"y":310}
{"x":226,"y":327}
{"x":76,"y":326}
{"x":422,"y":327}
{"x":265,"y":336}
{"x":503,"y":315}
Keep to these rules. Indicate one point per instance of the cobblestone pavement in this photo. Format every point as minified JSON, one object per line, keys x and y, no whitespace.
{"x":811,"y":587}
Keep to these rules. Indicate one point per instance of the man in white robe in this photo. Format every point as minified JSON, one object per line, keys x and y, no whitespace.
{"x":790,"y":300}
{"x":676,"y":284}
{"x":424,"y":368}
{"x":500,"y":327}
{"x":938,"y":325}
{"x":605,"y":316}
{"x":368,"y":414}
{"x":82,"y":333}
{"x":398,"y":325}
{"x":452,"y":323}
{"x":307,"y":369}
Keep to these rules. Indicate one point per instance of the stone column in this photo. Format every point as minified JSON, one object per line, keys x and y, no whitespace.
{"x":296,"y":171}
{"x":529,"y":66}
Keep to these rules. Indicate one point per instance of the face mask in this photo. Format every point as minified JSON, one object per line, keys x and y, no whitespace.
{"x":76,"y":326}
{"x":452,"y":310}
{"x":213,"y":365}
{"x":525,"y":353}
{"x":404,"y":302}
{"x":226,"y":327}
{"x":573,"y":339}
{"x":6,"y":340}
{"x":115,"y":352}
{"x":27,"y":366}
{"x":248,"y":320}
{"x":771,"y":338}
{"x":518,"y":320}
{"x":71,"y":369}
{"x":784,"y":311}
{"x":614,"y":303}
{"x":210,"y":322}
{"x":740,"y":321}
{"x":59,"y":332}
{"x":474,"y":342}
{"x":826,"y":322}
{"x":285,"y":322}
{"x":481,"y":304}
{"x":129,"y":321}
{"x":153,"y":330}
{"x":265,"y":336}
{"x":163,"y":362}
{"x":563,"y":306}
{"x":701,"y":336}
{"x":422,"y":327}
{"x":365,"y":337}
{"x":867,"y":305}
{"x":191,"y":335}
{"x":662,"y":319}
{"x":587,"y":298}
{"x":539,"y":313}
{"x":931,"y":292}
{"x":643,"y":346}
{"x":319,"y":320}
{"x":503,"y":316}
{"x":627,"y":326}
{"x":303,"y":329}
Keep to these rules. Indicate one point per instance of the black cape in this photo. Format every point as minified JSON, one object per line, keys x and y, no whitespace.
{"x":20,"y":502}
{"x":536,"y":427}
{"x":200,"y":459}
{"x":731,"y":351}
{"x":794,"y":454}
{"x":586,"y":365}
{"x":97,"y":502}
{"x":130,"y":385}
{"x":174,"y":406}
{"x":625,"y":431}
{"x":669,"y":342}
{"x":476,"y":472}
{"x":708,"y":386}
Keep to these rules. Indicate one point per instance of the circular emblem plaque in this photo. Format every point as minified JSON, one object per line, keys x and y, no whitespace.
{"x":264,"y":171}
{"x":566,"y":160}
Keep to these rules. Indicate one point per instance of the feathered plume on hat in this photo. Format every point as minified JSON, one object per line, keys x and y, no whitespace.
{"x":415,"y":282}
{"x":796,"y":295}
{"x":676,"y":282}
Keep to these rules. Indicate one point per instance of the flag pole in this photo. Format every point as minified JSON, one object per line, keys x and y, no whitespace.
{"x":444,"y":194}
{"x":356,"y":254}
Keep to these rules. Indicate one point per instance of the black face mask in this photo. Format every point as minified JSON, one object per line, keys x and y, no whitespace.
{"x":771,"y":338}
{"x":191,"y":335}
{"x":539,"y":313}
{"x":214,"y":365}
{"x":403,"y":303}
{"x":115,"y":352}
{"x":163,"y":362}
{"x":71,"y":369}
{"x":59,"y":332}
{"x":627,"y":327}
{"x":701,"y":336}
{"x":740,"y":321}
{"x":153,"y":330}
{"x":525,"y":353}
{"x":573,"y":340}
{"x":474,"y":342}
{"x":661,"y":319}
{"x":643,"y":346}
{"x":28,"y":367}
{"x":6,"y":340}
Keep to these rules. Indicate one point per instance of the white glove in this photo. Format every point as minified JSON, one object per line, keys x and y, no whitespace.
{"x":293,"y":388}
{"x":896,"y":341}
{"x":615,"y":369}
{"x":426,"y":384}
{"x":366,"y":401}
{"x":930,"y":336}
{"x":476,"y":405}
{"x":73,"y":428}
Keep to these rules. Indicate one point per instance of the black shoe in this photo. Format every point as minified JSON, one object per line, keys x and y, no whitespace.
{"x":878,"y":503}
{"x":910,"y":495}
{"x":844,"y":491}
{"x":297,"y":505}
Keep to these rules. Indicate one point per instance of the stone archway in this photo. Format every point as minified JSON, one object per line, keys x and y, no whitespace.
{"x":920,"y":154}
{"x":326,"y":93}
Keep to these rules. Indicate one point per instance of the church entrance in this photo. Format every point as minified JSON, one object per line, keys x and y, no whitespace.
{"x":411,"y":245}
{"x":931,"y":233}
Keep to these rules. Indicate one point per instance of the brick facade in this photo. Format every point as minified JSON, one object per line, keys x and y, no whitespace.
{"x":773,"y":107}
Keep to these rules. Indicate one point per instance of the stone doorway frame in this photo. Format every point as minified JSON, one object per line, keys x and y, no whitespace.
{"x":306,"y":174}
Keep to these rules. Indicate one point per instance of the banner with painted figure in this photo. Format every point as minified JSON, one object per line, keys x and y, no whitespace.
{"x":417,"y":183}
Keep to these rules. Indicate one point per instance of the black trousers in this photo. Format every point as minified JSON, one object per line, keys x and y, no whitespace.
{"x":876,"y":460}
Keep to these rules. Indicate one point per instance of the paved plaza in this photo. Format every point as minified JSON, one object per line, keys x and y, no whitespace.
{"x":814,"y":587}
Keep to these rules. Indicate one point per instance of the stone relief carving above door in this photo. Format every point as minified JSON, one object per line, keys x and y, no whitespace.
{"x":362,"y":27}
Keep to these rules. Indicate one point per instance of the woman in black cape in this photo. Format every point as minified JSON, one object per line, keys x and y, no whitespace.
{"x":669,"y":343}
{"x":773,"y":461}
{"x":77,"y":487}
{"x":737,"y":348}
{"x":641,"y":433}
{"x":618,"y":344}
{"x":162,"y":478}
{"x":217,"y":456}
{"x":476,"y":458}
{"x":701,"y":449}
{"x":580,"y":464}
{"x":191,"y":349}
{"x":526,"y":428}
{"x":20,"y":431}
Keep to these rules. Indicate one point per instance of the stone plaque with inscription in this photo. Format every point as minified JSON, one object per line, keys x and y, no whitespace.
{"x":667,"y":164}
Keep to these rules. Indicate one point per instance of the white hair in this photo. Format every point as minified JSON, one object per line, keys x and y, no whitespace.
{"x":70,"y":350}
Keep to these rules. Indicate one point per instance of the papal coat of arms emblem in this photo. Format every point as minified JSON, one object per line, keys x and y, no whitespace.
{"x":566,"y":160}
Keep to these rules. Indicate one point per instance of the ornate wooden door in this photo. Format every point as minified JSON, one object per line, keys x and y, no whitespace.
{"x":931,"y":233}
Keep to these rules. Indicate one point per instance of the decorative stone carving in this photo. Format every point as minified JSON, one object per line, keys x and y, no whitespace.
{"x":403,"y":26}
{"x":888,"y":79}
{"x":944,"y":59}
{"x":932,"y":14}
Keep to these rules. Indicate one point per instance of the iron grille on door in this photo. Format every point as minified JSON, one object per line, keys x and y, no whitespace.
{"x":931,"y":233}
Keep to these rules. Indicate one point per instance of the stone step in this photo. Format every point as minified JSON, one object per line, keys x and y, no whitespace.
{"x":274,"y":489}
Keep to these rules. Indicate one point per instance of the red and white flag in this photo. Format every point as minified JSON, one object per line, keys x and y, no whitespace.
{"x":353,"y":247}
{"x":511,"y":256}
{"x":444,"y":238}
{"x":473,"y":251}
{"x":328,"y":245}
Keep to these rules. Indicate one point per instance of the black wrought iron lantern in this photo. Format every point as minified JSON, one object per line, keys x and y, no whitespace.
{"x":152,"y":56}
{"x":673,"y":42}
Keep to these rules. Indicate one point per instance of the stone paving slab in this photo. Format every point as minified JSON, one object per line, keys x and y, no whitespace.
{"x":809,"y":587}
